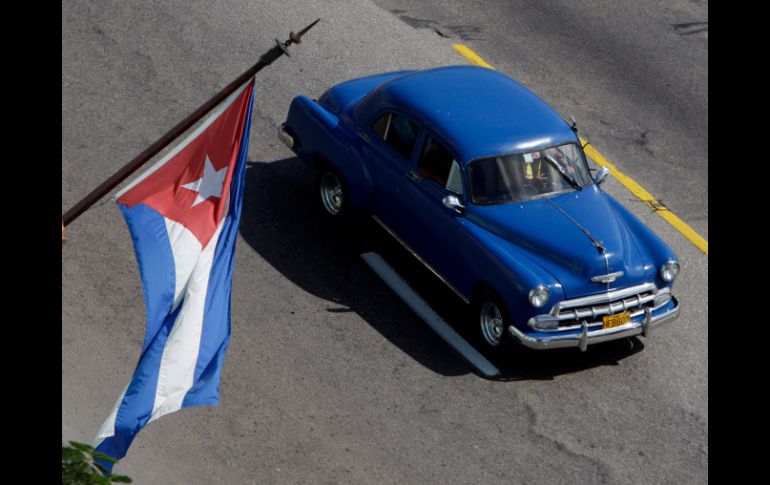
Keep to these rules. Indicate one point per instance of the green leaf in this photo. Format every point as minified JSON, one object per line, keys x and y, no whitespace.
{"x":81,"y":446}
{"x":79,"y":467}
{"x":102,"y":479}
{"x":103,"y":457}
{"x":70,"y":454}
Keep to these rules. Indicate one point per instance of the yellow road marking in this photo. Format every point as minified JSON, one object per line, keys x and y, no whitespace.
{"x":468,"y":53}
{"x":624,"y":179}
{"x":648,"y":199}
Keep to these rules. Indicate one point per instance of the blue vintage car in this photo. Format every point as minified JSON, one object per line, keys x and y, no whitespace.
{"x":488,"y":187}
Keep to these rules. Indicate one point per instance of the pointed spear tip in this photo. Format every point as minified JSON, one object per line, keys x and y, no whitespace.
{"x":297,"y":38}
{"x":302,"y":32}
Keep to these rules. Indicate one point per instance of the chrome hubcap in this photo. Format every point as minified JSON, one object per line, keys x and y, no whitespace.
{"x":492,"y":326}
{"x":331,"y":193}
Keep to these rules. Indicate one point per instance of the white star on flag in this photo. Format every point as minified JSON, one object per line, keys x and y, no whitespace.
{"x":210,"y":185}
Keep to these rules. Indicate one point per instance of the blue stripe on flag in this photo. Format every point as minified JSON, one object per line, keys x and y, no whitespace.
{"x":216,"y":321}
{"x":156,"y":266}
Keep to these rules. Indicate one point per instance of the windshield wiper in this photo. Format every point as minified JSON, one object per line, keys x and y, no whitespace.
{"x":562,"y":171}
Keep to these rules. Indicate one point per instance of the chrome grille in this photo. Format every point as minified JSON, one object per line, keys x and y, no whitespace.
{"x":592,"y":308}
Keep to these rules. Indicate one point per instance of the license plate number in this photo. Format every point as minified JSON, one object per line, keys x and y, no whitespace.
{"x":611,"y":321}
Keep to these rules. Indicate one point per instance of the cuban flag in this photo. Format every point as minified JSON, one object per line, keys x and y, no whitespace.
{"x":183,"y":216}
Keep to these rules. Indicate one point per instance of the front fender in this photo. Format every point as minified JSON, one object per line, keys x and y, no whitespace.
{"x":506,"y":268}
{"x":656,"y":251}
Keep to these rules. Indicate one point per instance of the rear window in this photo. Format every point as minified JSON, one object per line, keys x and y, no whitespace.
{"x":398,"y":131}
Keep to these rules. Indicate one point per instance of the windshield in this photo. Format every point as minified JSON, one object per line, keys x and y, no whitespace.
{"x":524,"y":176}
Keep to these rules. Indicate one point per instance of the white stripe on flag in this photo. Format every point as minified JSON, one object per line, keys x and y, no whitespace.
{"x":180,"y":355}
{"x":191,"y":266}
{"x":187,"y":249}
{"x":108,"y":427}
{"x":212,"y":117}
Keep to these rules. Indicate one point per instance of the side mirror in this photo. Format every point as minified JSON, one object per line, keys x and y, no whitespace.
{"x":601,"y":175}
{"x":453,"y":203}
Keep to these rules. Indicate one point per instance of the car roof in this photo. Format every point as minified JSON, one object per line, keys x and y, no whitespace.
{"x":478,"y":112}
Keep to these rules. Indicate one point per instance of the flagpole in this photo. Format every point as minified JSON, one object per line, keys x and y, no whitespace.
{"x":105,"y":187}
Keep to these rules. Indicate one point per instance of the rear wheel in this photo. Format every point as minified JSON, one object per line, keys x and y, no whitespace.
{"x":334,"y":196}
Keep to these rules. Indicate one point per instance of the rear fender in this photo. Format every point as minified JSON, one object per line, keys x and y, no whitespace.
{"x":321,"y":137}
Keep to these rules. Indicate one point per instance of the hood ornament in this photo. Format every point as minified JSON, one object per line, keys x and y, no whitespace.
{"x":607,"y":278}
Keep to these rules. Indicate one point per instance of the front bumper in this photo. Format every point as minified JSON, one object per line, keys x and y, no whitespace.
{"x":584,"y":337}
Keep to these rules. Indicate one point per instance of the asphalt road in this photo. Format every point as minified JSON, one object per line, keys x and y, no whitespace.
{"x":329,"y":377}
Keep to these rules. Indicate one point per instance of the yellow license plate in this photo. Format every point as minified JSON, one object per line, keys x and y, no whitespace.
{"x":611,"y":321}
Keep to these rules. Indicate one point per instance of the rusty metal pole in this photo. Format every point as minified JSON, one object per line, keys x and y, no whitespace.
{"x":105,"y":187}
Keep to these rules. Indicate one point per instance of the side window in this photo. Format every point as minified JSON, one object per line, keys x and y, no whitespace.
{"x":438,"y":164}
{"x":381,"y":125}
{"x":398,"y":132}
{"x":455,"y":182}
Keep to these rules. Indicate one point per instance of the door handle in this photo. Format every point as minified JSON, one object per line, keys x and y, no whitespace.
{"x":413,"y":176}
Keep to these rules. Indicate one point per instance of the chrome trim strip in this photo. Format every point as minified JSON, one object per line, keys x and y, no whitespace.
{"x":594,"y":240}
{"x":594,"y":337}
{"x":607,"y":264}
{"x":411,"y":251}
{"x":607,"y":278}
{"x":591,"y":324}
{"x":661,"y":292}
{"x":603,"y":297}
{"x":595,"y":311}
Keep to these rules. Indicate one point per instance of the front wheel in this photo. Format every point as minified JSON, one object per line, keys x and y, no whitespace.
{"x":492,"y":322}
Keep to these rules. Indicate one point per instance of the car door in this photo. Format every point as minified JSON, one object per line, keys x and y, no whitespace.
{"x":414,"y":174}
{"x":433,"y":233}
{"x":392,"y":149}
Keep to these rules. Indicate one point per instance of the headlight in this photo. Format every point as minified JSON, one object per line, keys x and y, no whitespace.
{"x":538,"y":296}
{"x":669,"y":271}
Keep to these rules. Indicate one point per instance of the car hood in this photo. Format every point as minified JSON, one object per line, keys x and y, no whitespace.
{"x":559,"y":233}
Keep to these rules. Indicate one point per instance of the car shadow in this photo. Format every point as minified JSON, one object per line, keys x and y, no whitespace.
{"x":528,"y":364}
{"x":283,"y":222}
